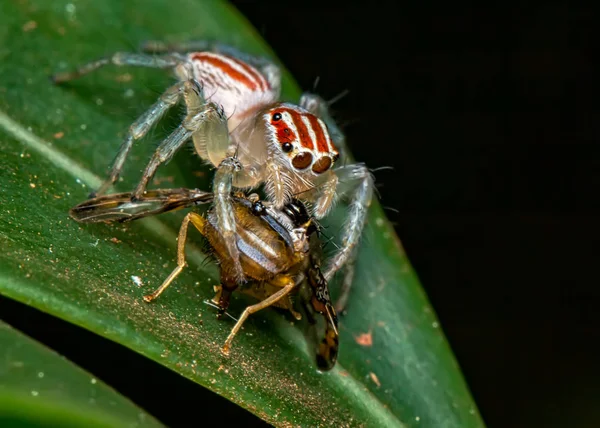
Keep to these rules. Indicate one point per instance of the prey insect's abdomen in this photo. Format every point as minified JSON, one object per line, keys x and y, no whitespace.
{"x":263,"y":251}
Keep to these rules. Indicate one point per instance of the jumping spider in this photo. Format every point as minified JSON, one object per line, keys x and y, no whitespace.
{"x":239,"y":125}
{"x":280,"y":253}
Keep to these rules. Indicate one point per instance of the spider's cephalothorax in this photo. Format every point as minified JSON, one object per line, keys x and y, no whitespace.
{"x":239,"y":125}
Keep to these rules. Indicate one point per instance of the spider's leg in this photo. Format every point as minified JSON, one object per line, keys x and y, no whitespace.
{"x":320,"y":108}
{"x":354,"y":181}
{"x":199,"y":222}
{"x":275,"y":184}
{"x":139,"y":129}
{"x":285,"y":281}
{"x":202,"y":117}
{"x":269,"y":69}
{"x":222,"y":187}
{"x":121,"y":59}
{"x":348,"y":278}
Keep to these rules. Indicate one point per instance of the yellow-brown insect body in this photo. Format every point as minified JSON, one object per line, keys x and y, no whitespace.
{"x":280,"y":253}
{"x":264,"y":251}
{"x":271,"y":252}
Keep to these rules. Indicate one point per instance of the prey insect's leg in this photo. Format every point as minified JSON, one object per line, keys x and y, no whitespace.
{"x":288,"y":285}
{"x":200,"y":115}
{"x":354,"y":179}
{"x":270,"y":70}
{"x":120,"y":59}
{"x":222,"y":187}
{"x":139,"y":129}
{"x":320,"y":108}
{"x":199,"y":222}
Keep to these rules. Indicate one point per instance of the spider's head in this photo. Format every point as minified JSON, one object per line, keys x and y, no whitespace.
{"x":300,"y":139}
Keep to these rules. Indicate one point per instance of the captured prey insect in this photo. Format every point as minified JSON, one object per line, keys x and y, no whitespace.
{"x":239,"y":125}
{"x":279,"y":252}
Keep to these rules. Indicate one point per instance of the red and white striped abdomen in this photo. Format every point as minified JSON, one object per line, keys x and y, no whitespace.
{"x":235,"y":85}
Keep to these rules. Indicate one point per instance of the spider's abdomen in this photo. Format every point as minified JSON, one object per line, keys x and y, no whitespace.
{"x":231,"y":83}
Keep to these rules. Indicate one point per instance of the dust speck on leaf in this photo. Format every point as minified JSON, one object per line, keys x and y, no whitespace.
{"x":29,"y":26}
{"x":364,"y":339}
{"x":375,"y":379}
{"x":124,"y":78}
{"x":137,"y":280}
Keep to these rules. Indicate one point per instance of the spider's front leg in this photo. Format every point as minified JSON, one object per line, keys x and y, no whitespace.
{"x":354,"y":182}
{"x":222,"y":188}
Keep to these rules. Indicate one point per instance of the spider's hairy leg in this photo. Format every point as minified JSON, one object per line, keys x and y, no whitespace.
{"x":199,"y":223}
{"x":120,"y":59}
{"x":327,"y":192}
{"x":270,"y":70}
{"x":348,"y":278}
{"x":201,"y":115}
{"x":278,"y":184}
{"x":139,"y":129}
{"x":356,"y":181}
{"x":285,"y":281}
{"x":320,"y":108}
{"x":226,"y":224}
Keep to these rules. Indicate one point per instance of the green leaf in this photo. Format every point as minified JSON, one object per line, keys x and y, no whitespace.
{"x":38,"y":388}
{"x":56,"y":143}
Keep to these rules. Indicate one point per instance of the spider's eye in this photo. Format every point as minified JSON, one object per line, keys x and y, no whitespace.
{"x":276,"y":117}
{"x":287,"y":147}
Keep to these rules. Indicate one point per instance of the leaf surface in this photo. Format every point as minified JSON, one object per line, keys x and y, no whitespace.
{"x":39,"y":388}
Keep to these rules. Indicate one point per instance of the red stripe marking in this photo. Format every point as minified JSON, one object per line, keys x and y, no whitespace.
{"x":226,"y":68}
{"x":284,"y":133}
{"x":319,"y":133}
{"x":303,"y":135}
{"x":264,"y":85}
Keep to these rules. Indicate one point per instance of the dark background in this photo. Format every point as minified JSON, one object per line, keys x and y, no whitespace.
{"x":489,"y":118}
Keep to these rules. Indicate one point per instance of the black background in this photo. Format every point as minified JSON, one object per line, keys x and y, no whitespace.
{"x":489,"y":118}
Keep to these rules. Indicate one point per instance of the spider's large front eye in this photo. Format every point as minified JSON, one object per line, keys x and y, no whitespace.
{"x":287,"y":147}
{"x":302,"y":160}
{"x":276,"y":117}
{"x":322,"y":165}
